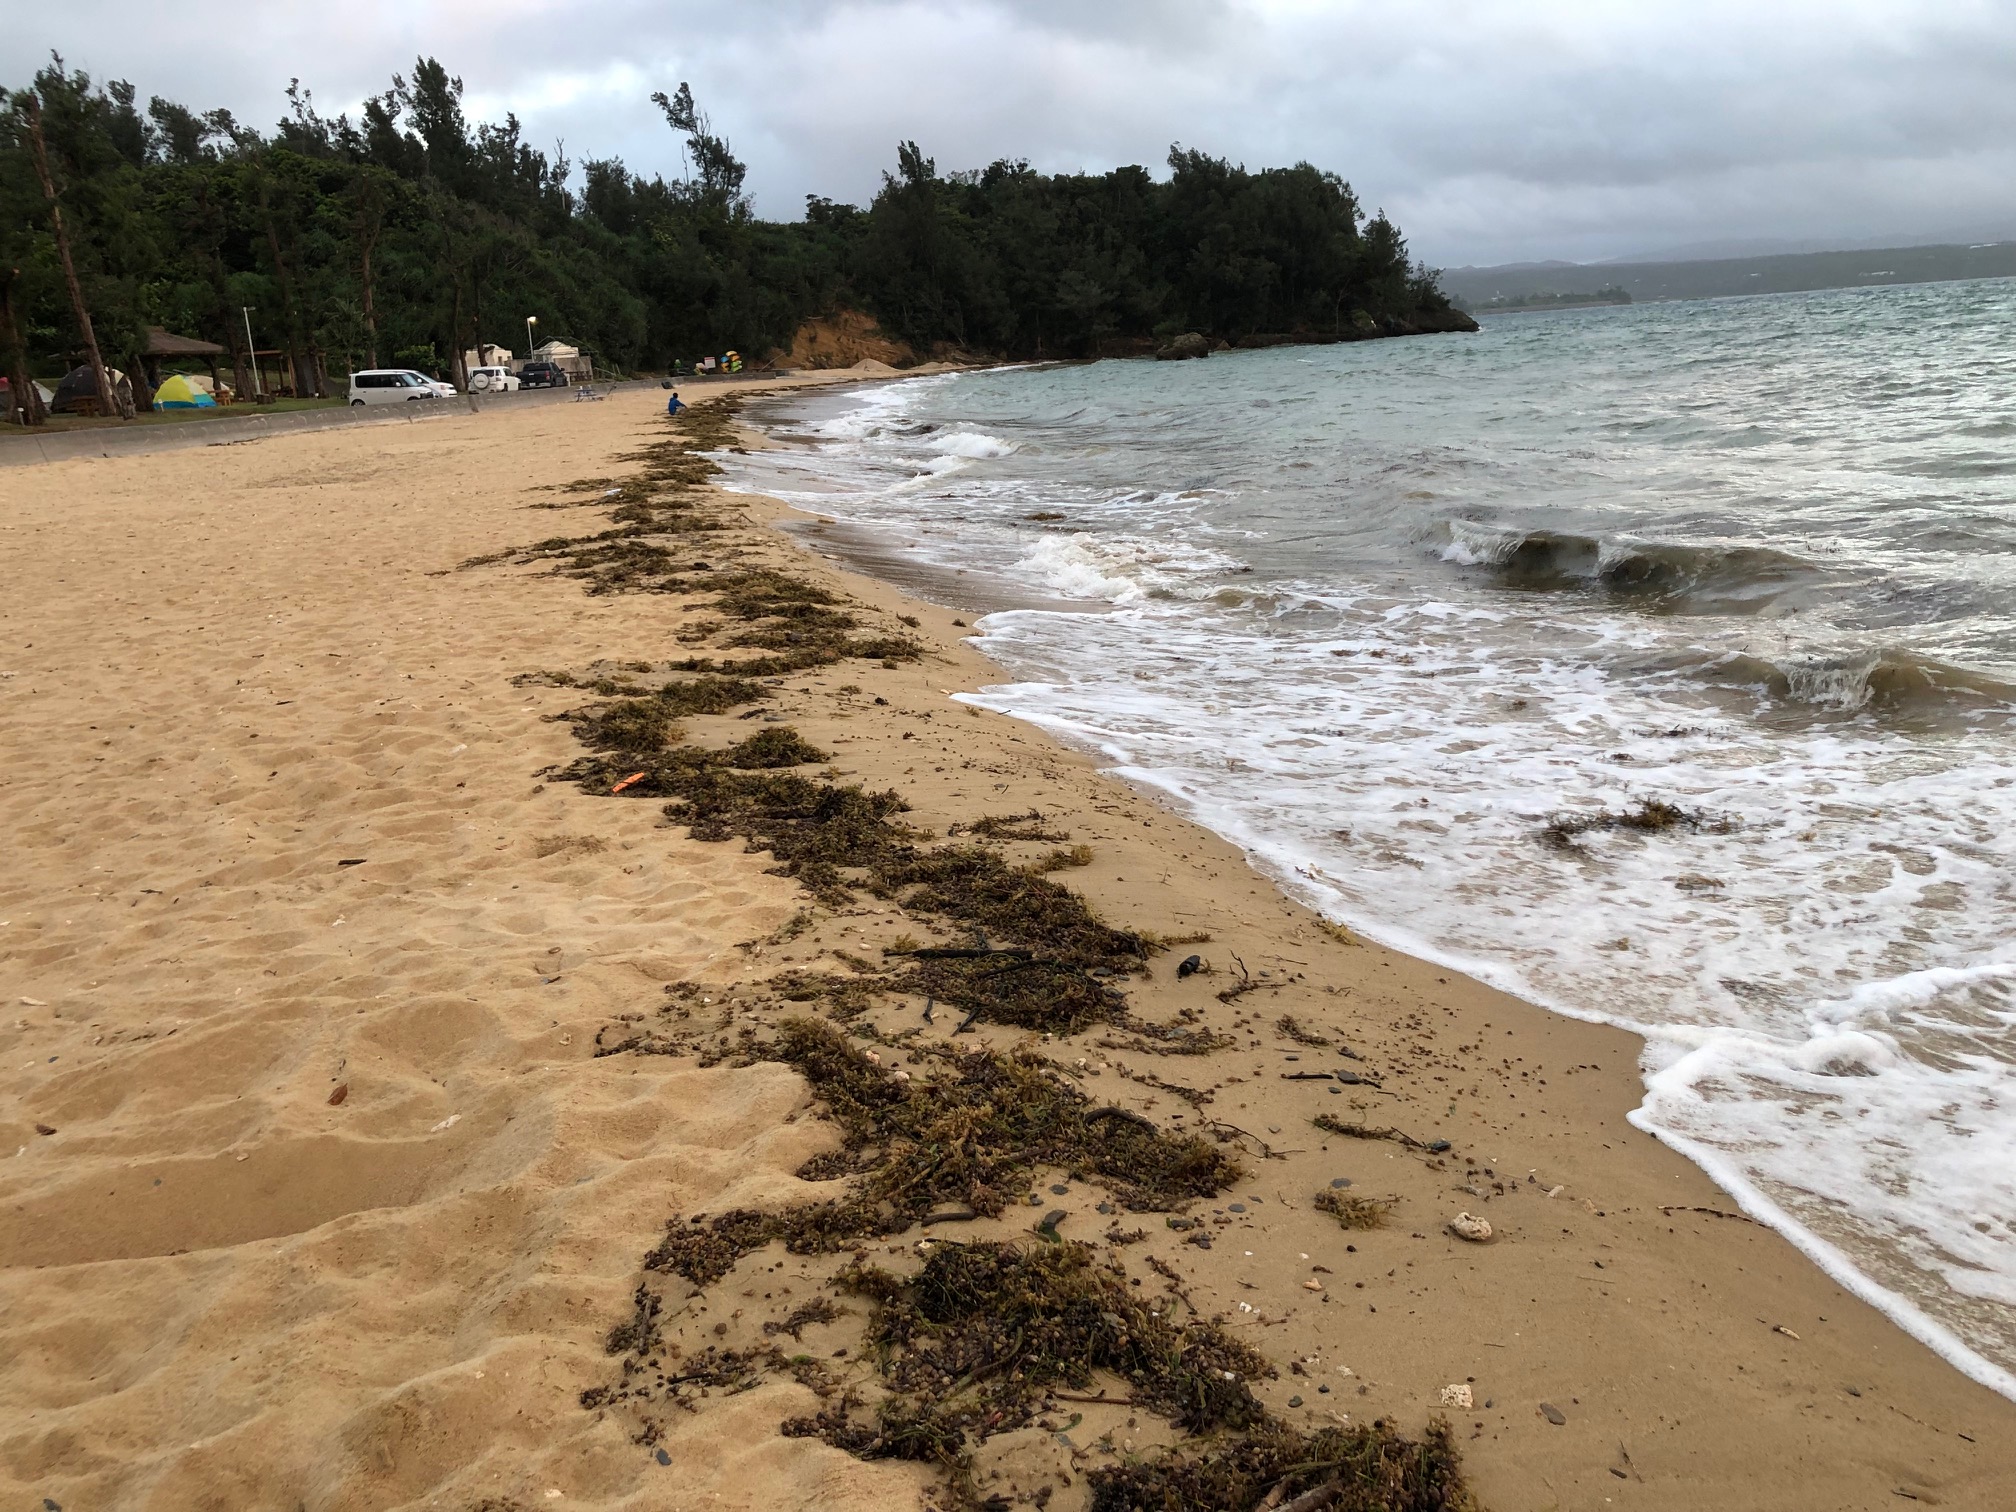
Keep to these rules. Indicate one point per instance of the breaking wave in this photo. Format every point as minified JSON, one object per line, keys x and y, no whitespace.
{"x":1892,"y":684}
{"x":1674,"y":577}
{"x":1776,"y":584}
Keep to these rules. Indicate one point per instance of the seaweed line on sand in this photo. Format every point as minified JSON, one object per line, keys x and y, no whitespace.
{"x":969,"y":1340}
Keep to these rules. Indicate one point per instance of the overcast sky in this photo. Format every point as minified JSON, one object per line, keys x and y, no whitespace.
{"x":1491,"y":130}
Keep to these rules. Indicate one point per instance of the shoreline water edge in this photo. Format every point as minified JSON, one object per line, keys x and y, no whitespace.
{"x":561,"y":1032}
{"x":1705,"y":701}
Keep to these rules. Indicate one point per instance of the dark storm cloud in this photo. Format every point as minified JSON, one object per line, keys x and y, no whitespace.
{"x":1489,"y":130}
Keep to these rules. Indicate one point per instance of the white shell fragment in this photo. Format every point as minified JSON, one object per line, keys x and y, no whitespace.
{"x":1476,"y":1230}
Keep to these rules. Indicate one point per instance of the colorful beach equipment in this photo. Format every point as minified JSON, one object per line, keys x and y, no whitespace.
{"x":177,"y":392}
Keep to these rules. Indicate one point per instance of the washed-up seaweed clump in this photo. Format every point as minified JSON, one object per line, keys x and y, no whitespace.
{"x":659,"y":499}
{"x":622,"y":559}
{"x":709,"y":695}
{"x":971,"y":1136}
{"x":969,"y":1344}
{"x":1185,"y":1035}
{"x":976,"y":886}
{"x":1355,"y":1212}
{"x":973,"y":1342}
{"x":670,"y":1377}
{"x":1013,"y":987}
{"x":639,"y":725}
{"x":645,"y":720}
{"x":1343,"y":1469}
{"x":1651,"y":816}
{"x":1331,"y":1125}
{"x":800,"y":623}
{"x":1291,"y":1026}
{"x":1029,"y":826}
{"x":1055,"y":970}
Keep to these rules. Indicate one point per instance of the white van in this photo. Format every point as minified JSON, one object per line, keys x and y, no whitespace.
{"x":394,"y":386}
{"x":492,"y":380}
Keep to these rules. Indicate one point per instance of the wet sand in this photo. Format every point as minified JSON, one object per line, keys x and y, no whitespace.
{"x":338,"y":1206}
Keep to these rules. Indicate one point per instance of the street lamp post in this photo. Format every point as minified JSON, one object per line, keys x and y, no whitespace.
{"x":252,"y":352}
{"x":530,"y":321}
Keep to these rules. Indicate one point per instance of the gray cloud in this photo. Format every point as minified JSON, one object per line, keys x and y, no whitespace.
{"x":1564,"y":128}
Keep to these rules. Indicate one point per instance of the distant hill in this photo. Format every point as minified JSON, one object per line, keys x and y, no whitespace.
{"x":1609,"y":294}
{"x":1707,"y":251}
{"x":1707,"y":278}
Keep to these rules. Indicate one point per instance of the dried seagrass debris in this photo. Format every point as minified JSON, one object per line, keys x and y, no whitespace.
{"x":975,"y":886}
{"x":813,"y":829}
{"x":1291,"y":1026}
{"x":1355,"y":1212}
{"x":803,"y":1316}
{"x":971,"y":1341}
{"x":844,"y":998}
{"x":640,"y":1334}
{"x":1029,"y":826}
{"x":1064,"y":858}
{"x":802,"y":624}
{"x":970,"y":1133}
{"x":810,"y":651}
{"x":1342,"y":1469}
{"x":833,"y":838}
{"x":1650,"y":816}
{"x":709,"y":695}
{"x":632,"y":725}
{"x":771,"y":749}
{"x":644,"y":724}
{"x":1330,"y":1125}
{"x":666,"y":1377}
{"x":1185,"y":1035}
{"x":1016,"y":989}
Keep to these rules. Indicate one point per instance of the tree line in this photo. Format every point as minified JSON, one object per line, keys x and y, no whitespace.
{"x":409,"y":234}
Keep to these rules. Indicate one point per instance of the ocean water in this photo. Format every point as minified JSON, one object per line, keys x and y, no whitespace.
{"x":1402,"y":618}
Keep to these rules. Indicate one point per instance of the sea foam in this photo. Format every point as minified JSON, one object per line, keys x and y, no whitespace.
{"x":1383,"y":614}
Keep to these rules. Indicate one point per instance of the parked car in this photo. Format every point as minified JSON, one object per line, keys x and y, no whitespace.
{"x":542,"y":375}
{"x":492,"y":380}
{"x":394,"y":386}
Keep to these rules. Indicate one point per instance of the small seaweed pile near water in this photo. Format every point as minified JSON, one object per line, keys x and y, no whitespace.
{"x":1354,"y":1212}
{"x":971,"y":1342}
{"x":663,"y":498}
{"x":967,"y":1140}
{"x":797,"y":623}
{"x":1344,"y":1469}
{"x":1042,"y":959}
{"x":1650,"y":816}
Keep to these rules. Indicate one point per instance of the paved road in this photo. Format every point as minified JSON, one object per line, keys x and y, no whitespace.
{"x":26,"y":448}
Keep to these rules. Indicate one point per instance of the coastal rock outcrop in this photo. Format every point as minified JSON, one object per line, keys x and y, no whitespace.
{"x":1189,"y":344}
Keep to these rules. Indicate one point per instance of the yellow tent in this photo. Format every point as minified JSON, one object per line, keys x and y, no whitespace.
{"x":178,"y":392}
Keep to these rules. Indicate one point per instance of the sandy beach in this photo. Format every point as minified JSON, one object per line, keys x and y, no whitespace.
{"x":318,"y":1193}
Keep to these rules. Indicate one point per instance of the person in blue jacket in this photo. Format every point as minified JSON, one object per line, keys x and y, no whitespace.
{"x":674,"y":404}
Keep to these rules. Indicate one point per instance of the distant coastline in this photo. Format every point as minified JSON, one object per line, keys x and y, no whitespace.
{"x":1514,"y":304}
{"x":1711,"y":278}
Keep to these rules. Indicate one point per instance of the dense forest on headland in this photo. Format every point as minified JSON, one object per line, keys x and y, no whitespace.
{"x":411,"y":233}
